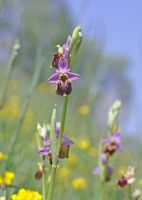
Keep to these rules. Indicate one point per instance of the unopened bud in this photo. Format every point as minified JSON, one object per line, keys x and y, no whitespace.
{"x":113,"y":115}
{"x":38,"y":175}
{"x":76,"y":37}
{"x":42,"y":131}
{"x":16,"y":45}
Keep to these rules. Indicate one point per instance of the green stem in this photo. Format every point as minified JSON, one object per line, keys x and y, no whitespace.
{"x":43,"y":169}
{"x":43,"y":179}
{"x":62,"y":123}
{"x":129,"y":192}
{"x":10,"y":67}
{"x":52,"y":181}
{"x":102,"y":184}
{"x":54,"y":166}
{"x":102,"y":174}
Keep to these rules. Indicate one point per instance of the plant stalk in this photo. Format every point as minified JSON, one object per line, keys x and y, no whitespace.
{"x":10,"y":68}
{"x":43,"y":180}
{"x":62,"y":123}
{"x":25,"y":107}
{"x":54,"y":166}
{"x":52,"y":181}
{"x":129,"y":192}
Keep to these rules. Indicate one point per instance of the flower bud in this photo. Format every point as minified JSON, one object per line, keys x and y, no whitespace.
{"x":64,"y":151}
{"x":38,"y":175}
{"x":16,"y":45}
{"x":76,"y":36}
{"x":42,"y":130}
{"x":113,"y":115}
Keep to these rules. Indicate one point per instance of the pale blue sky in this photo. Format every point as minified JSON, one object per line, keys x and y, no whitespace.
{"x":119,"y":22}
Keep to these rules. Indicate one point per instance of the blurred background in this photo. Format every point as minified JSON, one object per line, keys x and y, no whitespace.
{"x":110,"y":56}
{"x":109,"y":63}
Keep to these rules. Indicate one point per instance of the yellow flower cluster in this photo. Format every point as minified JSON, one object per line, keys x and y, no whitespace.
{"x":7,"y":178}
{"x":79,"y":183}
{"x":11,"y":108}
{"x":29,"y":117}
{"x":73,"y":159}
{"x":24,"y":194}
{"x":84,"y":110}
{"x":3,"y":156}
{"x":84,"y":144}
{"x":64,"y":173}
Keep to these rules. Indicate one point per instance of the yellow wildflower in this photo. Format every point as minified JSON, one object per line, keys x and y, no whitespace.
{"x":25,"y":194}
{"x":64,"y":173}
{"x":84,"y":110}
{"x":7,"y":178}
{"x":3,"y":156}
{"x":79,"y":183}
{"x":29,"y":117}
{"x":84,"y":144}
{"x":1,"y":180}
{"x":11,"y":109}
{"x":73,"y":159}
